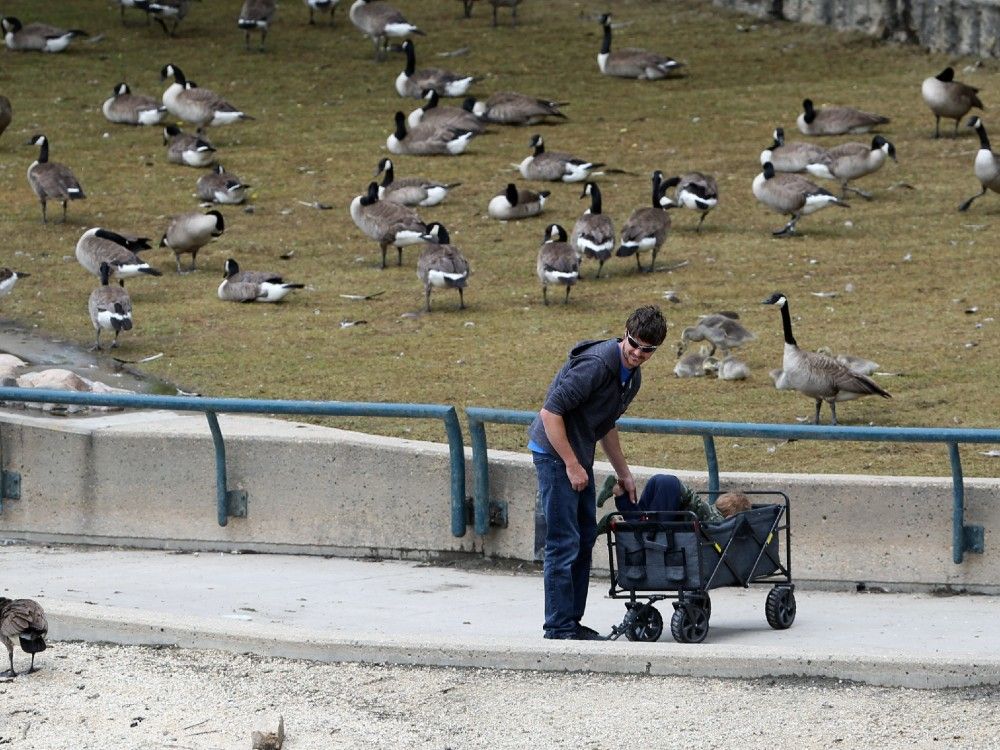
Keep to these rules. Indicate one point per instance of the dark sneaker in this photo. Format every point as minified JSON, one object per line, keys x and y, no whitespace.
{"x":559,"y":636}
{"x":583,"y":633}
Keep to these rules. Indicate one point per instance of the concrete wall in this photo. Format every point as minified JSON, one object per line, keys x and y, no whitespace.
{"x":148,"y":479}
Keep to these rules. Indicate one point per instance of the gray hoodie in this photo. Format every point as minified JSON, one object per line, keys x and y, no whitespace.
{"x":588,"y":394}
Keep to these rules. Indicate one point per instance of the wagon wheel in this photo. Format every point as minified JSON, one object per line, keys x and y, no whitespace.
{"x":689,"y":623}
{"x":780,"y":607}
{"x":647,"y":625}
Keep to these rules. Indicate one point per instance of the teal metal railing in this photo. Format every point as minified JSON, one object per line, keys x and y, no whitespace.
{"x":965,"y":538}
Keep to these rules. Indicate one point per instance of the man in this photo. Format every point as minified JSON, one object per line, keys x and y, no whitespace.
{"x":587,"y":396}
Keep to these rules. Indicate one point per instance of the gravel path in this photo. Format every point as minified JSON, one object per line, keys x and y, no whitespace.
{"x":107,"y":696}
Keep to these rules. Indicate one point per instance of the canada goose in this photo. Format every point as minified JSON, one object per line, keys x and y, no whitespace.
{"x":512,"y":4}
{"x":729,"y":368}
{"x":220,"y":186}
{"x":948,"y":98}
{"x":512,"y":108}
{"x":184,"y":148}
{"x":126,"y":108}
{"x":427,"y":140}
{"x":190,"y":232}
{"x":849,"y":161}
{"x":647,"y":227}
{"x":442,"y":265}
{"x":252,"y":286}
{"x":413,"y":83}
{"x":387,"y":223}
{"x":836,"y":120}
{"x":110,"y":309}
{"x":721,"y":330}
{"x":859,"y":365}
{"x":693,"y":364}
{"x":513,"y":203}
{"x":165,"y":10}
{"x":817,"y":376}
{"x":410,"y":191}
{"x":555,"y":166}
{"x":986,"y":166}
{"x":51,"y":180}
{"x":557,"y":262}
{"x":696,"y":191}
{"x":98,"y":246}
{"x":256,"y":15}
{"x":790,"y":157}
{"x":630,"y":62}
{"x":9,"y":277}
{"x":23,"y":619}
{"x":444,"y":117}
{"x":791,"y":195}
{"x":37,"y":37}
{"x":594,"y":232}
{"x":378,"y":20}
{"x":323,"y":6}
{"x":6,"y":113}
{"x":196,"y":105}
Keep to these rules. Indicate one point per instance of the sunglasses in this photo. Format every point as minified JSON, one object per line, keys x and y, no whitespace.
{"x":644,"y":348}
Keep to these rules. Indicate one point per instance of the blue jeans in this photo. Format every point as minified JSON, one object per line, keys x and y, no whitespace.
{"x":570,"y":533}
{"x":661,"y":493}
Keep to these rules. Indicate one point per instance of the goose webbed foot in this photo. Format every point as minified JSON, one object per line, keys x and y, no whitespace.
{"x":965,"y":206}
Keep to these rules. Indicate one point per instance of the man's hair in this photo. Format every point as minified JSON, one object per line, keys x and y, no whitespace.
{"x":648,"y":324}
{"x":731,"y":503}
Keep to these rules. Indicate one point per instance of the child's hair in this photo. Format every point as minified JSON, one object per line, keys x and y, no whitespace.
{"x":731,"y":503}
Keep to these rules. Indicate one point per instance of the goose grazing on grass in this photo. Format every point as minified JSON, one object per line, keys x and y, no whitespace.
{"x":126,"y":108}
{"x":815,"y":375}
{"x":696,"y":191}
{"x":647,"y":227}
{"x":23,"y":619}
{"x":256,"y":15}
{"x":729,"y":368}
{"x":252,"y":286}
{"x":427,"y":140}
{"x":387,"y":223}
{"x":693,"y":364}
{"x":986,"y":166}
{"x":557,"y":262}
{"x":836,"y":120}
{"x":410,"y":191}
{"x":6,"y":113}
{"x":441,"y":265}
{"x":98,"y":246}
{"x":190,"y":232}
{"x":438,"y":116}
{"x":323,"y":6}
{"x":792,"y":195}
{"x":220,"y":186}
{"x":165,"y":10}
{"x":513,"y":203}
{"x":849,"y":161}
{"x":790,"y":157}
{"x":594,"y":232}
{"x":36,"y":37}
{"x":512,"y":108}
{"x":110,"y":309}
{"x":196,"y":105}
{"x":948,"y":98}
{"x":721,"y":330}
{"x":51,"y":180}
{"x":554,"y":166}
{"x":8,"y":278}
{"x":185,"y":148}
{"x":630,"y":62}
{"x":413,"y":83}
{"x":379,"y":21}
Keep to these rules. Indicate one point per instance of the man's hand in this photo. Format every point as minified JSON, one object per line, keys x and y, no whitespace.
{"x":579,"y":479}
{"x":627,"y":483}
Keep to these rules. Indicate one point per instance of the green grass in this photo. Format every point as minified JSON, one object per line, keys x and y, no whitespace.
{"x":323,"y":110}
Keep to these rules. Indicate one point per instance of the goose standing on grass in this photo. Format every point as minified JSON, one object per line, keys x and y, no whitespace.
{"x":220,"y":186}
{"x":379,"y":21}
{"x":647,"y":227}
{"x":126,"y":108}
{"x":256,"y":15}
{"x":721,"y":330}
{"x":849,"y":161}
{"x":387,"y":223}
{"x":410,"y":191}
{"x":427,"y":140}
{"x":413,"y":83}
{"x":6,"y":113}
{"x":513,"y":203}
{"x":110,"y":309}
{"x":190,"y":232}
{"x":557,"y":262}
{"x":696,"y":191}
{"x":790,"y":157}
{"x":36,"y":37}
{"x":185,"y":148}
{"x":8,"y":278}
{"x":986,"y":166}
{"x":836,"y":120}
{"x":594,"y":232}
{"x":201,"y":107}
{"x":23,"y":619}
{"x":439,"y":116}
{"x":948,"y":98}
{"x":51,"y":180}
{"x":165,"y":10}
{"x":512,"y":108}
{"x":792,"y":195}
{"x":98,"y":246}
{"x":554,"y":166}
{"x":630,"y":62}
{"x":441,"y":265}
{"x":817,"y":376}
{"x":252,"y":286}
{"x":323,"y":6}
